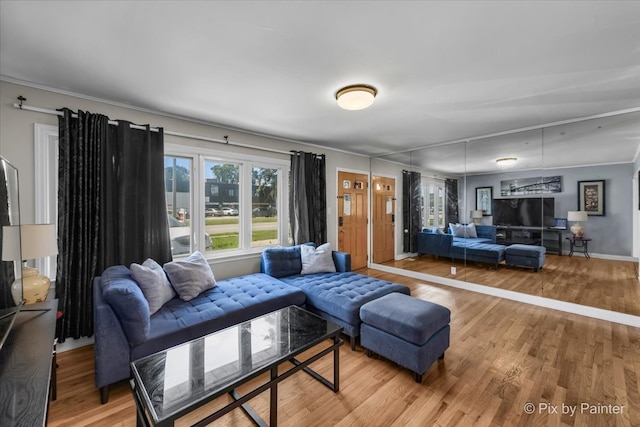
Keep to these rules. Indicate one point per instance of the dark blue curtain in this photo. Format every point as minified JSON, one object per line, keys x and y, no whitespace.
{"x":411,"y":215}
{"x":308,"y":198}
{"x":111,"y":208}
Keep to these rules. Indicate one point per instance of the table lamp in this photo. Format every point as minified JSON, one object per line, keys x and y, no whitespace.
{"x":476,"y":216}
{"x":578,"y":216}
{"x":38,"y":241}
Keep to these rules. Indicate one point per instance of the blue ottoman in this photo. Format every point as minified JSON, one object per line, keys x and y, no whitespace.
{"x":525,"y":256}
{"x":408,"y":331}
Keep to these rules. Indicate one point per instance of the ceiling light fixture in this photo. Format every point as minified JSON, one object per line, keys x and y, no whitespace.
{"x":356,"y":97}
{"x":506,"y":161}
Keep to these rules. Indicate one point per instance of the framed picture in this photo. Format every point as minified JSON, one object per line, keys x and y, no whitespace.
{"x":591,"y":197}
{"x":484,"y":199}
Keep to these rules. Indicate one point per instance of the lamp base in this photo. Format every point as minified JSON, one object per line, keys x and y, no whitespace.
{"x":35,"y":287}
{"x":577,"y":230}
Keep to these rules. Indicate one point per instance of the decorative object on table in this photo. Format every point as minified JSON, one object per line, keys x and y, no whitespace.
{"x":38,"y":241}
{"x":591,"y":197}
{"x":476,"y":216}
{"x":527,"y":186}
{"x":578,"y":216}
{"x":484,"y":199}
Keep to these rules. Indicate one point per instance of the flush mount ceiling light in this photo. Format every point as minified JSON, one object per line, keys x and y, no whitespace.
{"x":356,"y":97}
{"x":506,"y":161}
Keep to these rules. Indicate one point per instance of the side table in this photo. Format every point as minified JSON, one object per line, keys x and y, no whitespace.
{"x":580,"y":243}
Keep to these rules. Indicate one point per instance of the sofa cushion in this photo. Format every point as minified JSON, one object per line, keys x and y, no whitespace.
{"x":342,"y":294}
{"x":190,"y":276}
{"x":317,"y":260}
{"x":154,"y":283}
{"x":230,"y":302}
{"x":471,"y":250}
{"x":282,"y":262}
{"x":126,"y":298}
{"x":468,"y":240}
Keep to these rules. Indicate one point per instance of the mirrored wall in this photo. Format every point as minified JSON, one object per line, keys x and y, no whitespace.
{"x":526,"y":199}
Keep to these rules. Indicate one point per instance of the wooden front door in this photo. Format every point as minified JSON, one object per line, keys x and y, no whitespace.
{"x":384,"y":211}
{"x":352,"y":217}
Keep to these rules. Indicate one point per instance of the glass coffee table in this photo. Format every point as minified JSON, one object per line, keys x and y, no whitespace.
{"x":172,"y":383}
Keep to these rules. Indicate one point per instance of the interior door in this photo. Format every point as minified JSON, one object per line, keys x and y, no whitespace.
{"x":352,"y":217}
{"x":383,"y":219}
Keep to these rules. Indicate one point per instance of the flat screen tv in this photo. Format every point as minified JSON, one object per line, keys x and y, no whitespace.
{"x":524,"y":212}
{"x":10,"y":263}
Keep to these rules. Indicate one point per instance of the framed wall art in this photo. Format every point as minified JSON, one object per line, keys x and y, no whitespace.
{"x":484,"y":200}
{"x":591,"y":197}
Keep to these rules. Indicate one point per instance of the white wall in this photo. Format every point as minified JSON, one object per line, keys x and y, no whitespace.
{"x":17,"y":146}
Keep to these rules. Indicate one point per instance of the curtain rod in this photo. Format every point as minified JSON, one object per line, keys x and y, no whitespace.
{"x":224,"y":141}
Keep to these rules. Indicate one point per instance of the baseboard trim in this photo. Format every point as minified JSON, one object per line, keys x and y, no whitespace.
{"x":70,"y":344}
{"x":568,"y":307}
{"x":611,"y":257}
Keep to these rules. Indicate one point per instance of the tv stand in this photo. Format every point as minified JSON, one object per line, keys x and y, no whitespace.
{"x":550,"y":238}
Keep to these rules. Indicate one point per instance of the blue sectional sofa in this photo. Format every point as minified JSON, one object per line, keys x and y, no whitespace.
{"x":483,"y":248}
{"x":334,"y":296}
{"x":125,"y":330}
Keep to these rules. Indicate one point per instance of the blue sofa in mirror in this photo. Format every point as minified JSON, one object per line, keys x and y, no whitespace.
{"x":462,"y":241}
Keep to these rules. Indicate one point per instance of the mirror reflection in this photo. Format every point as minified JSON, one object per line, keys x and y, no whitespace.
{"x":516,"y":215}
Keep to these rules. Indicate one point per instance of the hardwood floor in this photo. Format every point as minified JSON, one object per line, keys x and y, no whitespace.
{"x":503,"y":355}
{"x":602,"y":283}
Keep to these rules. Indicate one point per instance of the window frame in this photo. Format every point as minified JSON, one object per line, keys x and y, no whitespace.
{"x":437,"y":184}
{"x":246,"y":162}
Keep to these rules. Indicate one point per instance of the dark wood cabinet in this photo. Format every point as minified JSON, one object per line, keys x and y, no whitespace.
{"x":25,"y":366}
{"x":550,"y":238}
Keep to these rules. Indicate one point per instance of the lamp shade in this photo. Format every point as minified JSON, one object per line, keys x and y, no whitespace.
{"x":577,"y":216}
{"x":476,"y":214}
{"x":38,"y":240}
{"x":11,"y":243}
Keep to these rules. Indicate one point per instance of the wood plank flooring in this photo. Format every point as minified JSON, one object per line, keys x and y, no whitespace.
{"x":503,"y":355}
{"x":602,"y":283}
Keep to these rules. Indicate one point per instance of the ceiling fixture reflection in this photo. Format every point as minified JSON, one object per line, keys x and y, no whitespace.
{"x":356,"y":97}
{"x":506,"y":161}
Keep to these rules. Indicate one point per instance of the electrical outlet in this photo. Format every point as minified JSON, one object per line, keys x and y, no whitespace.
{"x":453,"y":270}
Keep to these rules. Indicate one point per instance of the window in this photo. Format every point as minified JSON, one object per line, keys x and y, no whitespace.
{"x":235,"y":204}
{"x":433,"y":203}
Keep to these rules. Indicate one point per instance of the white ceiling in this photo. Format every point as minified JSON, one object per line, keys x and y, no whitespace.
{"x":444,"y":70}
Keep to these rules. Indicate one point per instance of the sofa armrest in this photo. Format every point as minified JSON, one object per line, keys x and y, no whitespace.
{"x":111,"y":347}
{"x":487,"y":232}
{"x":342,"y":260}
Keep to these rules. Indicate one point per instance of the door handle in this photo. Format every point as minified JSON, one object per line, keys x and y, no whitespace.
{"x":340,"y":221}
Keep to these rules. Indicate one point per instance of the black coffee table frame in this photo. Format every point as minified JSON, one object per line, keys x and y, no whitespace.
{"x":143,"y":403}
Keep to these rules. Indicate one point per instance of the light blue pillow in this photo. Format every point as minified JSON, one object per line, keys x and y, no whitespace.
{"x":154,"y":283}
{"x":462,"y":230}
{"x":317,"y":260}
{"x":190,"y":276}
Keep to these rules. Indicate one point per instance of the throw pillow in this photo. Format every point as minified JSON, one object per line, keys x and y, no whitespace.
{"x":462,"y":230}
{"x":317,"y":260}
{"x":154,"y":283}
{"x":433,"y":230}
{"x":190,"y":276}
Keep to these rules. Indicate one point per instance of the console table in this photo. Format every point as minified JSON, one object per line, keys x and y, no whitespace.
{"x":510,"y":234}
{"x":25,"y":366}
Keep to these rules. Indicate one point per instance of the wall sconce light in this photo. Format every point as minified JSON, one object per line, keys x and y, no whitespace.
{"x":356,"y":97}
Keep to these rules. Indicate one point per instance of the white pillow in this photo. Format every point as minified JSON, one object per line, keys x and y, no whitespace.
{"x":317,"y":260}
{"x":153,"y":282}
{"x":462,"y":230}
{"x":190,"y":276}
